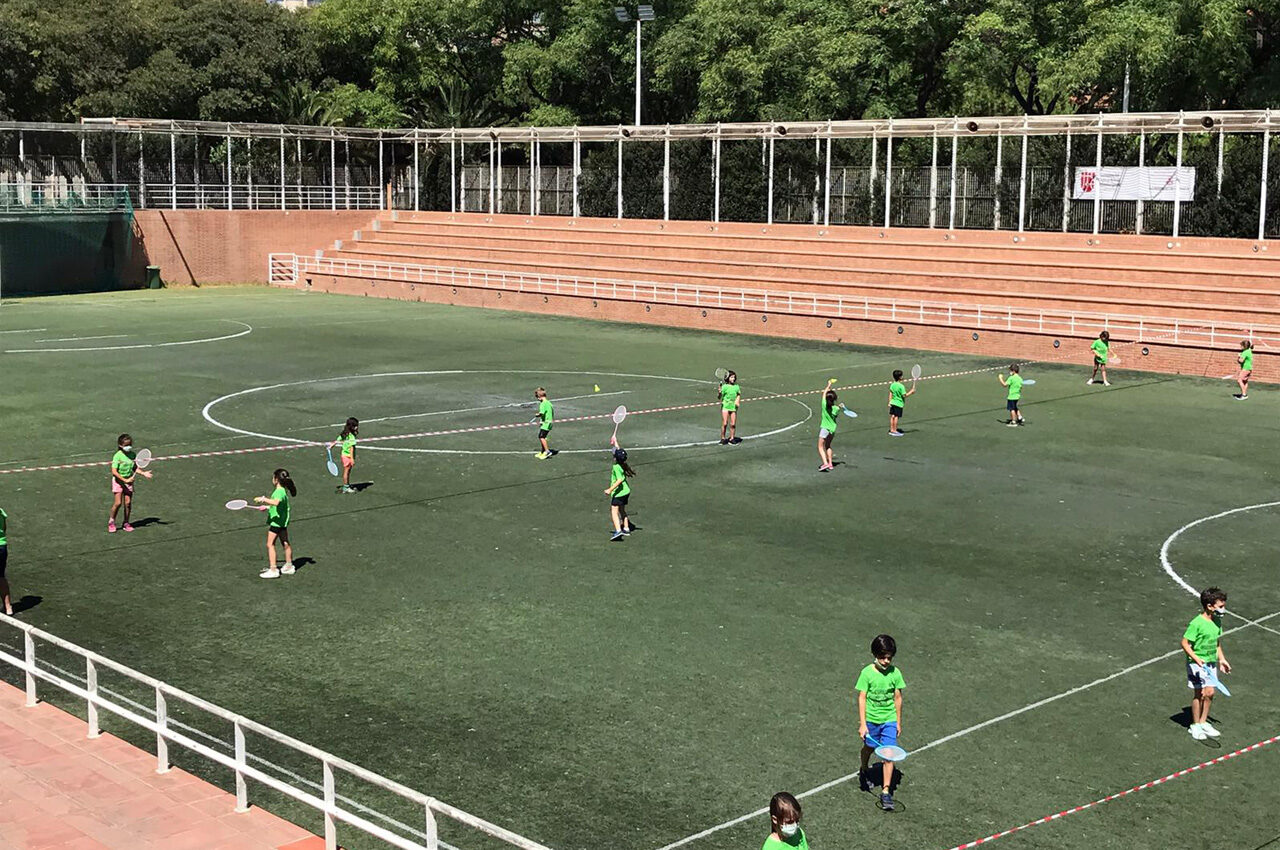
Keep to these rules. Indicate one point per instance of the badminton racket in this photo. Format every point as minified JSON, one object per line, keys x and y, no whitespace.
{"x":1211,"y":679}
{"x":916,"y":372}
{"x":890,"y":753}
{"x":330,"y":465}
{"x":241,"y":504}
{"x":143,"y":460}
{"x":619,"y":415}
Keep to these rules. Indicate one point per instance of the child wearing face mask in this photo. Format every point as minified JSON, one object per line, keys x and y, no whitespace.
{"x":123,"y":473}
{"x":784,"y":816}
{"x":1202,"y":642}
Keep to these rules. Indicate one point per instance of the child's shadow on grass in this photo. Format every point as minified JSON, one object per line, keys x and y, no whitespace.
{"x":148,"y":520}
{"x":362,"y":486}
{"x":876,"y":772}
{"x":26,"y":603}
{"x":300,"y":563}
{"x":1183,"y":719}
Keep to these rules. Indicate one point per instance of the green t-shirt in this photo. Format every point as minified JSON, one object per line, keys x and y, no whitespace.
{"x":1015,"y":387}
{"x":795,"y":842}
{"x":278,"y":515}
{"x":122,"y":465}
{"x":830,"y":417}
{"x":545,"y":413}
{"x":1204,"y":635}
{"x":1246,"y":359}
{"x":729,"y":396}
{"x":897,"y":394}
{"x":1100,"y":350}
{"x":616,"y":475}
{"x":348,"y":444}
{"x":4,"y":523}
{"x":879,"y":688}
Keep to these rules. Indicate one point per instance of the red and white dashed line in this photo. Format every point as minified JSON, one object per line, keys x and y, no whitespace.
{"x":300,"y":444}
{"x":1107,"y":799}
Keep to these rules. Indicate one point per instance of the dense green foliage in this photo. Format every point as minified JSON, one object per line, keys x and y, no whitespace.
{"x":475,"y":62}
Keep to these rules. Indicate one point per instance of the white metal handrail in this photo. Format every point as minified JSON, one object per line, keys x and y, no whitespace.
{"x":329,"y":803}
{"x":256,"y":196}
{"x":289,"y":269}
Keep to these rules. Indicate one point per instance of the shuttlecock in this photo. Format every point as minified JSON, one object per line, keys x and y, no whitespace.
{"x":596,"y":388}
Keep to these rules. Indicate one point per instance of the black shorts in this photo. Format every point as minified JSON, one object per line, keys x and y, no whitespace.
{"x":4,"y":559}
{"x":894,"y":410}
{"x":620,"y":501}
{"x":1011,"y":404}
{"x":543,"y":432}
{"x":1098,"y":361}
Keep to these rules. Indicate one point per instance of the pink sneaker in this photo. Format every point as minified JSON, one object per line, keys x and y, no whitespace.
{"x":128,"y":527}
{"x":111,"y":526}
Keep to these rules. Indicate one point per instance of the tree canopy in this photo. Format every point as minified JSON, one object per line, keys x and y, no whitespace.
{"x":479,"y":62}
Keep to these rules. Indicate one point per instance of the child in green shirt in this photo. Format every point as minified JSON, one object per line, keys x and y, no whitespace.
{"x":784,"y":817}
{"x":347,"y":439}
{"x":1202,"y":642}
{"x":545,"y":419}
{"x":1246,"y":369}
{"x":619,"y":494}
{"x":898,"y":393}
{"x":1100,"y":347}
{"x":730,"y":401}
{"x":124,"y":471}
{"x":1014,"y":383}
{"x":279,"y":511}
{"x":879,"y":690}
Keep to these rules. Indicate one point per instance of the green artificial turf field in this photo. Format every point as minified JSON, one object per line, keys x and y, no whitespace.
{"x":464,"y":625}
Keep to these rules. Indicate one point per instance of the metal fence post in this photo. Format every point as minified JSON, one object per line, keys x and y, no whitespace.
{"x":999,"y":174}
{"x":888,"y":173}
{"x":666,"y":176}
{"x":142,"y":173}
{"x":330,"y":803}
{"x":933,"y":183}
{"x":955,"y":149}
{"x":1022,"y":179}
{"x":492,"y":195}
{"x":333,"y":169}
{"x":230,"y":181}
{"x":619,"y":171}
{"x":1177,"y":180}
{"x":1262,"y":199}
{"x":29,"y":656}
{"x":432,"y":831}
{"x":162,"y":724}
{"x":1142,"y":158}
{"x":1097,"y":182}
{"x":173,"y":170}
{"x":242,"y":789}
{"x":715,"y":156}
{"x":769,"y":210}
{"x":416,"y":180}
{"x":283,"y":206}
{"x":826,"y":195}
{"x":91,"y":704}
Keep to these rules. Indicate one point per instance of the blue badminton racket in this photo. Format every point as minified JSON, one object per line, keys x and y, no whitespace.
{"x":1211,"y":679}
{"x":890,"y":752}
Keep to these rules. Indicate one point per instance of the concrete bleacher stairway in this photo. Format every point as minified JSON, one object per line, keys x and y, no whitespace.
{"x":1197,"y":279}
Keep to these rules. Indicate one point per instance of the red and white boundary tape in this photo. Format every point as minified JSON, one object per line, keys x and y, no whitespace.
{"x":980,"y":841}
{"x":300,"y":444}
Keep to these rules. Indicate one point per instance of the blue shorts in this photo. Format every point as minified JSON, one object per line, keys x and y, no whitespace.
{"x":884,"y":734}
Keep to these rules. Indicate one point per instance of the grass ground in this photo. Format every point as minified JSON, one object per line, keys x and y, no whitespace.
{"x":463,"y":624}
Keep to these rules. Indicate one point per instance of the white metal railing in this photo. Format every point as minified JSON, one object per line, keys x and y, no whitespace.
{"x":61,"y":195}
{"x":255,"y":196}
{"x":324,"y":798}
{"x":289,"y":269}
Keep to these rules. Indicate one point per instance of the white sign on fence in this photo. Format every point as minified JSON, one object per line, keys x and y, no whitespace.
{"x":1124,"y":183}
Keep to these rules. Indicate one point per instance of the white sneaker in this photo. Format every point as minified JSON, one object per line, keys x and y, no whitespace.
{"x":1106,"y":383}
{"x":1090,"y":381}
{"x":1209,"y":730}
{"x":270,"y":572}
{"x":1198,"y":733}
{"x":288,"y":569}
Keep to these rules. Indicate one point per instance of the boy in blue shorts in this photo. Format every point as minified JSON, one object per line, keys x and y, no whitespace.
{"x":879,"y":689}
{"x":1202,"y":642}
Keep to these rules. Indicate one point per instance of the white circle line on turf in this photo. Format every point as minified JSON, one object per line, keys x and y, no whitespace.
{"x":205,"y":412}
{"x":1164,"y":547}
{"x":967,"y":731}
{"x":248,"y":329}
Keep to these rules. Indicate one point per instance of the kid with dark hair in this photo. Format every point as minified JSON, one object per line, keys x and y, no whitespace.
{"x":278,"y":513}
{"x":879,"y":690}
{"x":347,"y":439}
{"x":619,"y":492}
{"x":1202,"y":642}
{"x":784,"y":817}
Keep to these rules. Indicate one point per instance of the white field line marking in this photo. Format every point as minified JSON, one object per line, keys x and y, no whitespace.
{"x":1168,"y":565}
{"x":25,"y":331}
{"x":846,"y":365}
{"x":248,"y":329}
{"x":83,"y":338}
{"x":149,"y":710}
{"x":960,"y":734}
{"x":461,"y":410}
{"x":366,"y":447}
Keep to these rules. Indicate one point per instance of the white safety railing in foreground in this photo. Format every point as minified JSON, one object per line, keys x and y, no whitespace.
{"x":289,"y":269}
{"x":334,"y":807}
